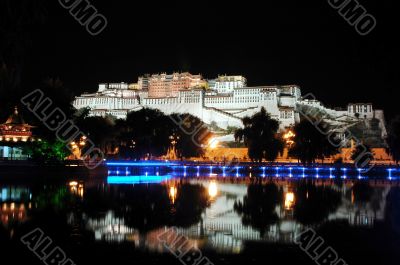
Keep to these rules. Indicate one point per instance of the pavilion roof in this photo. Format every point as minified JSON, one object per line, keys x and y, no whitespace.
{"x":16,"y":119}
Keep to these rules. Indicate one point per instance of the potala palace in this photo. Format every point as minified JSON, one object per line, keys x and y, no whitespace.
{"x":223,"y":101}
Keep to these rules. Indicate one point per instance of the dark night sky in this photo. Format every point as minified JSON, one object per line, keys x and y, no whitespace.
{"x":270,"y":42}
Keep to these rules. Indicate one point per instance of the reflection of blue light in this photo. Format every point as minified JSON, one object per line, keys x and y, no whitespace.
{"x":136,"y":179}
{"x":344,"y":173}
{"x":390,"y":173}
{"x":359,"y":173}
{"x":139,"y":164}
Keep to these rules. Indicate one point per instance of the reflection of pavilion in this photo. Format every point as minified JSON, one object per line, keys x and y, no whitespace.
{"x":14,"y":205}
{"x":221,"y":227}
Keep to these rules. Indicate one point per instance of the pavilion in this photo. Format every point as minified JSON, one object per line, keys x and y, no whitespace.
{"x":14,"y":134}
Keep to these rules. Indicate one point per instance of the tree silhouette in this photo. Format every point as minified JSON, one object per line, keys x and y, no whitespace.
{"x":258,"y":206}
{"x":310,"y":144}
{"x":147,"y":207}
{"x":362,"y":155}
{"x":192,"y":134}
{"x":393,"y":139}
{"x":18,"y":21}
{"x":260,"y":136}
{"x":147,"y":132}
{"x":314,"y":204}
{"x":149,"y":129}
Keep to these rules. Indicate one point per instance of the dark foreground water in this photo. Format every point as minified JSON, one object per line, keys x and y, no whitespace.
{"x":157,"y":217}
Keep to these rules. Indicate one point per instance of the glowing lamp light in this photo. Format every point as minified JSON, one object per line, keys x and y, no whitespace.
{"x":173,"y":193}
{"x":289,"y":200}
{"x":73,"y":183}
{"x":212,"y":189}
{"x":288,"y":137}
{"x":213,"y":143}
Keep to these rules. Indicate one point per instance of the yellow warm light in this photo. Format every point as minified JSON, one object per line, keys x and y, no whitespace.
{"x":289,"y":200}
{"x":172,"y":193}
{"x":80,"y":190}
{"x":213,"y":143}
{"x":212,"y":189}
{"x":288,"y":137}
{"x":73,"y":183}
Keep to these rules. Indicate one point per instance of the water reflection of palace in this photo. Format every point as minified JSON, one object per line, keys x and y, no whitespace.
{"x":222,"y":228}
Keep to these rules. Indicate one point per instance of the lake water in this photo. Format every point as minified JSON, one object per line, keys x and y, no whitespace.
{"x":147,"y":213}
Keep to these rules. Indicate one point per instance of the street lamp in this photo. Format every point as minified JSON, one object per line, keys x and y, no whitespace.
{"x":78,"y":146}
{"x":174,"y":138}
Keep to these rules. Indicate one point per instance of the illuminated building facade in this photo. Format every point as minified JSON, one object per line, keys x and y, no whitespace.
{"x":13,"y":133}
{"x":226,"y":84}
{"x":225,"y":103}
{"x":168,"y":85}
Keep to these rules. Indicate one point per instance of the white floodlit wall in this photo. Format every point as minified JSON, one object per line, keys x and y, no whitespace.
{"x":225,"y":109}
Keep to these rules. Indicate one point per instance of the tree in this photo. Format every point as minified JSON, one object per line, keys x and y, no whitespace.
{"x":148,"y":132}
{"x":260,"y":136}
{"x":19,"y":21}
{"x":310,"y":144}
{"x":47,"y":151}
{"x":99,"y":130}
{"x":192,"y":132}
{"x":258,"y":206}
{"x":393,"y":139}
{"x":148,"y":129}
{"x":362,"y":155}
{"x":315,"y":203}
